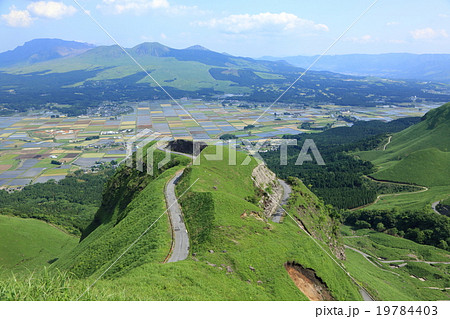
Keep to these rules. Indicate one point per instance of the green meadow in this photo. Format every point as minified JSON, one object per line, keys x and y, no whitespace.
{"x":30,"y":244}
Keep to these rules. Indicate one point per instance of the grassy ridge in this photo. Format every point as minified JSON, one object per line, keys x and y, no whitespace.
{"x":31,"y":244}
{"x":132,"y":202}
{"x":247,"y":255}
{"x":241,"y":256}
{"x":428,"y":167}
{"x":420,"y":155}
{"x":241,"y":237}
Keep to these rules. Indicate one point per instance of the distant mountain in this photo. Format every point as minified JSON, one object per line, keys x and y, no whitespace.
{"x":66,"y":76}
{"x":423,"y":67}
{"x":41,"y":50}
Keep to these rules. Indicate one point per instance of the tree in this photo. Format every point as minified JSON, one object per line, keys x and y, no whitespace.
{"x":380,"y":227}
{"x":361,"y":224}
{"x":415,"y":234}
{"x":392,"y":231}
{"x":443,"y":244}
{"x":228,"y":136}
{"x":305,"y":126}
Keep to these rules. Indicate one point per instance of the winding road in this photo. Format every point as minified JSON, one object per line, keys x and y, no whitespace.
{"x":180,"y":246}
{"x":180,"y":236}
{"x":434,"y":207}
{"x":424,"y":189}
{"x":287,"y":190}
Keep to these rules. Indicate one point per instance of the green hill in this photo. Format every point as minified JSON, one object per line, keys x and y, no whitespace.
{"x":30,"y":244}
{"x":236,"y":253}
{"x":428,"y":167}
{"x":418,"y":155}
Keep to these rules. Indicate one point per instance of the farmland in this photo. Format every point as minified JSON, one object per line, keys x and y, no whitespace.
{"x":41,"y":146}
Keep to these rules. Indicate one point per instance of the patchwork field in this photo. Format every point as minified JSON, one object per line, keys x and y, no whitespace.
{"x":39,"y":147}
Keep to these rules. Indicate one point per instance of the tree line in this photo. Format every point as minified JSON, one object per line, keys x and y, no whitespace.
{"x":421,"y":227}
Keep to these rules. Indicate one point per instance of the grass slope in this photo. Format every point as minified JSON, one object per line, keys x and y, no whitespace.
{"x":132,"y":202}
{"x":427,"y":167}
{"x":30,"y":243}
{"x":402,"y":283}
{"x":114,"y":64}
{"x":236,"y":254}
{"x":241,"y":238}
{"x":419,"y":155}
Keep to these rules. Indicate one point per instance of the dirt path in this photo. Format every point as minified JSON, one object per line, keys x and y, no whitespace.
{"x":367,"y":257}
{"x":395,"y":261}
{"x":388,"y":142}
{"x":424,"y":189}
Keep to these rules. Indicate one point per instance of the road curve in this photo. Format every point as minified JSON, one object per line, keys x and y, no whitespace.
{"x":424,"y":189}
{"x":434,"y":207}
{"x":180,"y":247}
{"x":287,"y":190}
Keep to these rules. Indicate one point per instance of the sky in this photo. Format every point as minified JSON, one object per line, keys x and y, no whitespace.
{"x":244,"y":28}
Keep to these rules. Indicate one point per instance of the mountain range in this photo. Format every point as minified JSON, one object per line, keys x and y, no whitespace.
{"x":40,"y":50}
{"x":69,"y":73}
{"x":423,"y":67}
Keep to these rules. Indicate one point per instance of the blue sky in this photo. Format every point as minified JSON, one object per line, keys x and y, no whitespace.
{"x":246,"y":28}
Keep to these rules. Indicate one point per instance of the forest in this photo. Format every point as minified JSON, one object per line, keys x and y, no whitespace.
{"x":426,"y":228}
{"x":339,"y":182}
{"x":69,"y":204}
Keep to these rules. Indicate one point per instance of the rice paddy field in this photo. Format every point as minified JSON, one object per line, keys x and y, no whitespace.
{"x":36,"y":148}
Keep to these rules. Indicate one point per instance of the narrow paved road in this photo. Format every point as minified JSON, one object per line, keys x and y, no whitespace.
{"x":365,"y":295}
{"x":180,"y":246}
{"x":287,"y":190}
{"x":180,"y":235}
{"x":434,"y":207}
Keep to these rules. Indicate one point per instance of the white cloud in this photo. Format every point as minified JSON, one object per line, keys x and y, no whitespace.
{"x":186,"y":10}
{"x":363,"y":39}
{"x":51,"y":9}
{"x":392,"y":23}
{"x":428,"y":34}
{"x":17,"y":18}
{"x":271,"y":22}
{"x":121,"y":6}
{"x":395,"y":41}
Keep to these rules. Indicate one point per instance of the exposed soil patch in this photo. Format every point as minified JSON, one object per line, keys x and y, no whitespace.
{"x":5,"y":167}
{"x":306,"y":280}
{"x":185,"y":146}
